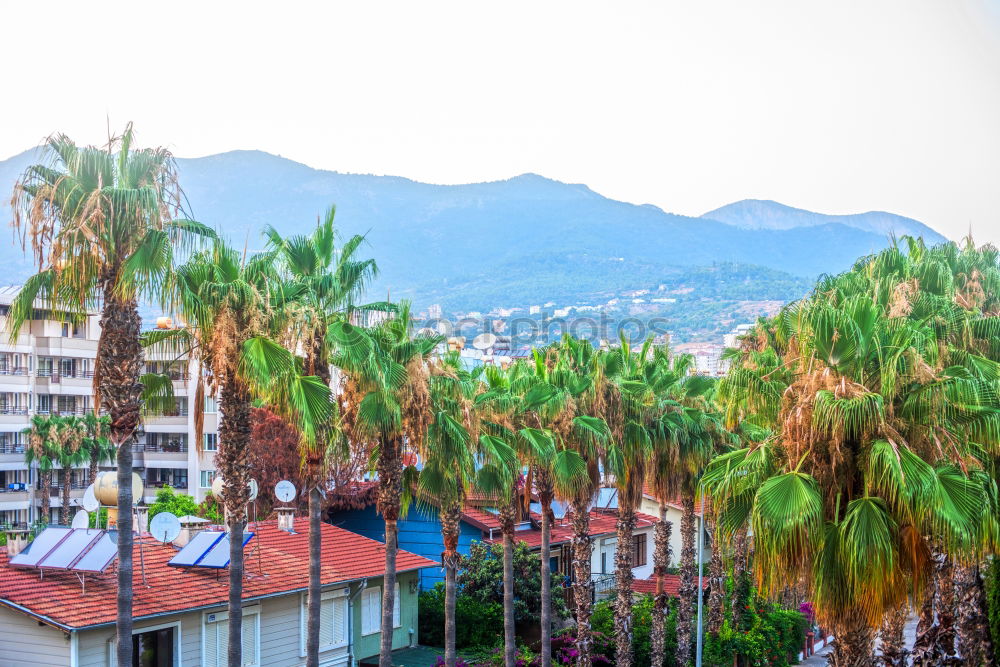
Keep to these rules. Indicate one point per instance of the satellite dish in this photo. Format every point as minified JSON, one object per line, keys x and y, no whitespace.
{"x":89,"y":500}
{"x":217,"y":487}
{"x":81,"y":520}
{"x":484,"y":341}
{"x":165,"y":527}
{"x":218,"y":484}
{"x":254,"y":488}
{"x":284,"y":491}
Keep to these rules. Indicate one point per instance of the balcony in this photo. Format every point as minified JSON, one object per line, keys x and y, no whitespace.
{"x":12,"y":448}
{"x":6,"y":410}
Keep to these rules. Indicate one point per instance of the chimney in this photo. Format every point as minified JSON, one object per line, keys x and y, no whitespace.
{"x":140,"y":520}
{"x":17,"y":540}
{"x":286,"y":519}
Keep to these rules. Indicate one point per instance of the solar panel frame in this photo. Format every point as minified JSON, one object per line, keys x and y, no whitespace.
{"x":101,"y":553}
{"x":43,"y":544}
{"x":217,"y":558}
{"x":193,"y":551}
{"x":70,"y":549}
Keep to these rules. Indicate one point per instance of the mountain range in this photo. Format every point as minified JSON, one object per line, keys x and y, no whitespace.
{"x":502,"y":243}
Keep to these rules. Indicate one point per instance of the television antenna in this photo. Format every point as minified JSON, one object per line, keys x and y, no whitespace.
{"x":284,"y":491}
{"x":81,"y":520}
{"x":165,"y":527}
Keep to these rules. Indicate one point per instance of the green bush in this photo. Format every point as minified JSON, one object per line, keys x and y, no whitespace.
{"x":167,"y":500}
{"x":481,"y":577}
{"x":477,"y":623}
{"x":603,"y":621}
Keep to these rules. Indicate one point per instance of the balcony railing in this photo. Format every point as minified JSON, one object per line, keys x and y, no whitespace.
{"x":160,"y":447}
{"x":4,"y":410}
{"x":14,"y":487}
{"x":17,"y":370}
{"x":54,"y":374}
{"x":12,"y":447}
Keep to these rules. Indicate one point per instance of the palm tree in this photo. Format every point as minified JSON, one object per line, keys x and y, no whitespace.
{"x":455,"y":462}
{"x":575,"y":366}
{"x":878,"y":392}
{"x":103,"y":228}
{"x":42,"y":449}
{"x":386,"y":401}
{"x":324,"y":281}
{"x":95,"y":443}
{"x":68,"y":437}
{"x":228,"y":301}
{"x":525,"y":408}
{"x":633,"y":377}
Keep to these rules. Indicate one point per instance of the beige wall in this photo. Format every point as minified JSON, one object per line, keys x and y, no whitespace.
{"x":652,"y":508}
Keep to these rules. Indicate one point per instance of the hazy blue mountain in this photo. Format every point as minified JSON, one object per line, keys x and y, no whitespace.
{"x":462,"y":243}
{"x":766,"y":214}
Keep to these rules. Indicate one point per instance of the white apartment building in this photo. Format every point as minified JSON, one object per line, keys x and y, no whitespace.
{"x":49,"y":369}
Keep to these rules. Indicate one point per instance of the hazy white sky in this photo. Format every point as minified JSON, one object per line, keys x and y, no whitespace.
{"x":836,"y":106}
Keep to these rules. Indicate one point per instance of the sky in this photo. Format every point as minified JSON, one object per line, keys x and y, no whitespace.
{"x":840,"y":107}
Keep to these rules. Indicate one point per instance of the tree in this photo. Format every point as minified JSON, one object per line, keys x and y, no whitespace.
{"x":42,"y":449}
{"x":325,"y":280}
{"x":879,"y":392}
{"x":103,"y":225}
{"x":386,"y":402}
{"x":96,"y":444}
{"x":178,"y":504}
{"x":69,"y":433}
{"x":274,"y":453}
{"x":455,"y":462}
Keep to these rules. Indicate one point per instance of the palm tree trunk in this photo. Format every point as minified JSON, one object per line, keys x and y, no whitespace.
{"x":93,"y":470}
{"x":944,"y":608}
{"x":119,"y":366}
{"x":893,"y":648}
{"x":687,"y":590}
{"x":717,"y":582}
{"x":508,"y":518}
{"x":543,"y":484}
{"x":741,"y":579}
{"x":65,"y":475}
{"x":390,"y":478}
{"x":625,"y":527}
{"x":315,"y":591}
{"x":509,"y":631}
{"x":582,"y":586}
{"x":923,"y":645}
{"x":45,"y":481}
{"x":233,"y":464}
{"x":854,"y":644}
{"x":317,"y":364}
{"x":974,"y":644}
{"x":661,"y":601}
{"x":450,"y":519}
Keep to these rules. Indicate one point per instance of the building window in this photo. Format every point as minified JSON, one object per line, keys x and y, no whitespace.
{"x":211,"y":442}
{"x":639,"y":550}
{"x":207,"y":477}
{"x":215,"y":646}
{"x":210,"y":405}
{"x":333,"y":612}
{"x":371,"y":610}
{"x":157,"y":646}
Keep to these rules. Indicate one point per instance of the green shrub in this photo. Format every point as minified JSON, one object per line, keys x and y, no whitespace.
{"x":477,"y":624}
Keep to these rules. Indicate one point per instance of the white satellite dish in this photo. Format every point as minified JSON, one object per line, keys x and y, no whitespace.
{"x":81,"y":520}
{"x":165,"y":527}
{"x":284,"y":491}
{"x":484,"y":341}
{"x":89,"y":500}
{"x":254,"y":488}
{"x":218,"y":484}
{"x":217,"y":487}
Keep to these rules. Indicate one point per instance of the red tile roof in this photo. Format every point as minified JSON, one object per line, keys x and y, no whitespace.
{"x":282,"y":568}
{"x":671,"y":585}
{"x":602,"y":522}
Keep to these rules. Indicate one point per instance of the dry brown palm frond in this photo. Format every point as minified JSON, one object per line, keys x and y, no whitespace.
{"x":901,"y":301}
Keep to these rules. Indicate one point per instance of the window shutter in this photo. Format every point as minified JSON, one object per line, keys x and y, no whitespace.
{"x":340,"y":621}
{"x":395,"y":608}
{"x":326,"y":624}
{"x":250,"y":628}
{"x":371,"y":613}
{"x":215,"y":646}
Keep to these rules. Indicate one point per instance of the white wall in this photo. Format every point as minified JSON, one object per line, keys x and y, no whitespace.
{"x":23,"y":641}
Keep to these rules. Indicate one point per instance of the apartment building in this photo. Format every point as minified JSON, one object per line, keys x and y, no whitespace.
{"x":49,"y":369}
